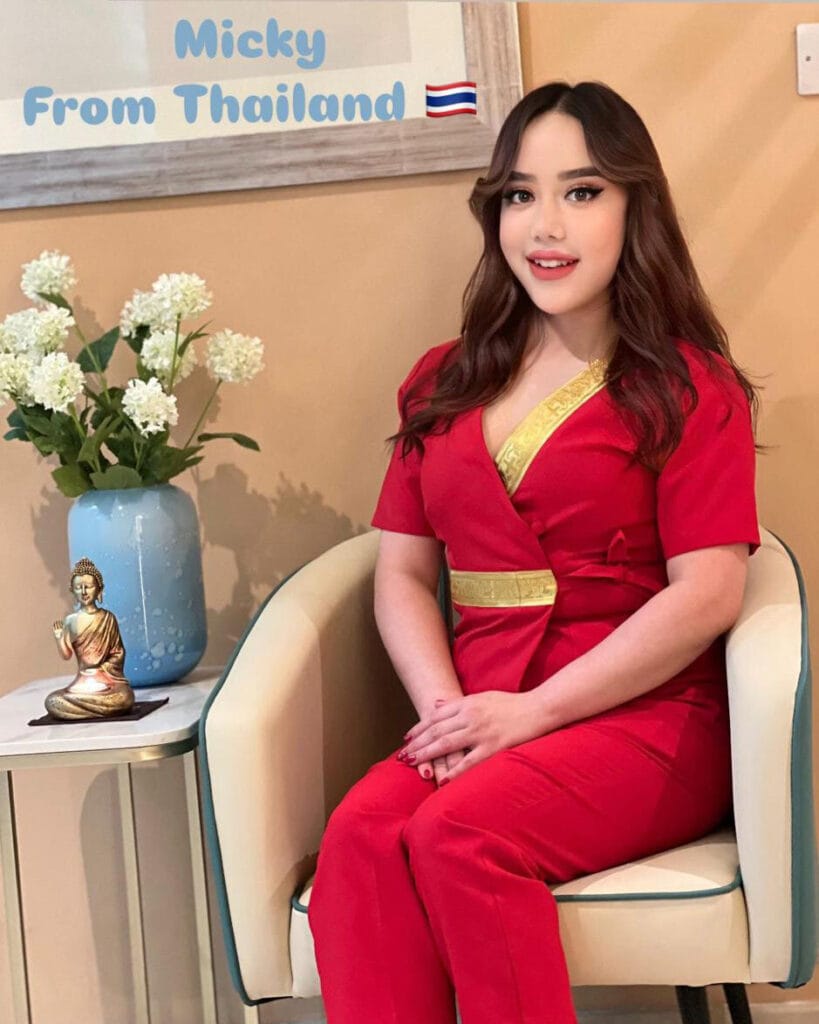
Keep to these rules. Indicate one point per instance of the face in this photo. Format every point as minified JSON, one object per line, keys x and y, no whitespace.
{"x":583,"y":217}
{"x":85,"y":590}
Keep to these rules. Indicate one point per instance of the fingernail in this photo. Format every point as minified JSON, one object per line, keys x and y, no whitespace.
{"x":444,"y":781}
{"x":400,"y":757}
{"x":410,"y":759}
{"x":427,"y":773}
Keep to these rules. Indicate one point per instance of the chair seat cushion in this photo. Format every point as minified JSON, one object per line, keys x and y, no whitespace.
{"x":626,"y":925}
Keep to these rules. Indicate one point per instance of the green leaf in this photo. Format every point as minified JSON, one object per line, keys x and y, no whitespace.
{"x":115,"y":478}
{"x":36,"y":422}
{"x":143,"y":372}
{"x":165,"y":462}
{"x":123,"y":448}
{"x":135,"y":341}
{"x":242,"y":439}
{"x":96,"y":355}
{"x":91,"y":445}
{"x":66,"y":436}
{"x":58,"y":300}
{"x":16,"y":434}
{"x":15,"y":418}
{"x":71,"y":479}
{"x":200,"y":332}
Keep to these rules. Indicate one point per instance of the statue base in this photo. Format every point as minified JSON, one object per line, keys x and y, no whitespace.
{"x":139,"y":709}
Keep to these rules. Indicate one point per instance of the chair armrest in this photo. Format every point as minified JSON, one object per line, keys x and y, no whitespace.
{"x":308,"y":702}
{"x":769,"y":689}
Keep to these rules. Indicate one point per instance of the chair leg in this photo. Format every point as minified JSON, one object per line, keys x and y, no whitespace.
{"x":693,"y":1004}
{"x":737,"y":998}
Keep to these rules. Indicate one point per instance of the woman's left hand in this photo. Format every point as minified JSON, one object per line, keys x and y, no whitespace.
{"x":482,"y":722}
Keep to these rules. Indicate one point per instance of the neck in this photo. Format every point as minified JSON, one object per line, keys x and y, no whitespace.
{"x":587,"y":345}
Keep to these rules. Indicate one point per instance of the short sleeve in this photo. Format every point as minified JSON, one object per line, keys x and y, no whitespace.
{"x":400,"y":505}
{"x":706,"y":490}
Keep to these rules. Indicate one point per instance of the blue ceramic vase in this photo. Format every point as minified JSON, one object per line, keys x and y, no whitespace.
{"x":145,"y":542}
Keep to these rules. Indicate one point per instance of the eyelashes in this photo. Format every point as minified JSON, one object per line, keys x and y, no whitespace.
{"x":593,"y":192}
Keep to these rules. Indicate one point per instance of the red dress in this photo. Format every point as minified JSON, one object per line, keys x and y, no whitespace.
{"x":568,"y":498}
{"x":424,"y":895}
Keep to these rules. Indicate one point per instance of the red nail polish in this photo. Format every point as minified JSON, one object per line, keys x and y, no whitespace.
{"x":410,"y":759}
{"x":444,"y":781}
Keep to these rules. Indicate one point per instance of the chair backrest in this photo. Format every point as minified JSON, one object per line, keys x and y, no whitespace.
{"x":769,"y":688}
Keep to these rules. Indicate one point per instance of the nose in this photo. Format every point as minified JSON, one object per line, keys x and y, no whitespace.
{"x":547,"y":221}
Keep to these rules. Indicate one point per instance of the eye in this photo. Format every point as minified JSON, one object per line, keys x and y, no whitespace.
{"x":507,"y":196}
{"x":592,"y":192}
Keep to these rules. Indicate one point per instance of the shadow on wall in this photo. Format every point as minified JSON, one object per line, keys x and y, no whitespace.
{"x":256,"y":539}
{"x":268,"y":536}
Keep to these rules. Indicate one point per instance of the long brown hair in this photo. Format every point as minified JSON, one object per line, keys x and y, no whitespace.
{"x":655,"y":293}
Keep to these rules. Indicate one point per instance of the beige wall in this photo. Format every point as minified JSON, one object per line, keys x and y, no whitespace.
{"x":347,"y":284}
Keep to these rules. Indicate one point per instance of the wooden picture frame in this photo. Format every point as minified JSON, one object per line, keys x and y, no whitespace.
{"x":262,"y":160}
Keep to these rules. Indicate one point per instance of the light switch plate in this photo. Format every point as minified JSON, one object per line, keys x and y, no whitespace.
{"x":807,"y":59}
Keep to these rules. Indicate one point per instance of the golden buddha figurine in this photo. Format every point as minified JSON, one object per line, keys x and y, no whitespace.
{"x":99,"y":688}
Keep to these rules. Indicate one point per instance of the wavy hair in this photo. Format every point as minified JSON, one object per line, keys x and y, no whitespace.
{"x":655,"y":292}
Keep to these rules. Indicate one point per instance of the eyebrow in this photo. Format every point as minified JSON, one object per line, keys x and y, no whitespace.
{"x":576,"y":172}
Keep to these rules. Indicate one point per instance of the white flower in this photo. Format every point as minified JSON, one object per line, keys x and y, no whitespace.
{"x":148,"y":406}
{"x":15,"y":374}
{"x":35,"y":332}
{"x":142,"y":308}
{"x":157,"y":354}
{"x":56,"y":381}
{"x":181,"y":295}
{"x":51,"y":272}
{"x":234,"y":358}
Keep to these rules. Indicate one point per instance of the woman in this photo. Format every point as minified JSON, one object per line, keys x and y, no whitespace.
{"x":583,"y":453}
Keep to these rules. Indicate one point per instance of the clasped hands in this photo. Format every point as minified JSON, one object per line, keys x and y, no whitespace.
{"x":476,"y":725}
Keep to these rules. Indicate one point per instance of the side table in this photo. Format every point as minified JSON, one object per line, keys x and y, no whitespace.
{"x":169,"y":731}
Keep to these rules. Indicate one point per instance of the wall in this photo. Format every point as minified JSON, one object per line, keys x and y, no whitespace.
{"x":347,"y":284}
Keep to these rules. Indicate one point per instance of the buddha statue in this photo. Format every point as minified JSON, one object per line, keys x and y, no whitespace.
{"x":91,"y":633}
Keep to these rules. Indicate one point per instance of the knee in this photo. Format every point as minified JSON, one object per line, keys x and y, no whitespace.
{"x":358,"y":828}
{"x":432,"y":834}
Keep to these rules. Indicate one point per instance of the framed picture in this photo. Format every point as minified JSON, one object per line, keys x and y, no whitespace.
{"x":137,"y":99}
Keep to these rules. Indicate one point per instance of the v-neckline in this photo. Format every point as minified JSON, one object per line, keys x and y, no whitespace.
{"x":527,"y":437}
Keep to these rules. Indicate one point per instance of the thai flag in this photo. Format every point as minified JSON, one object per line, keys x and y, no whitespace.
{"x":454,"y":98}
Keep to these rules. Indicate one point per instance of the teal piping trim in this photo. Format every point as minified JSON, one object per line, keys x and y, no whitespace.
{"x":804,"y":897}
{"x":717,"y":890}
{"x":209,"y":818}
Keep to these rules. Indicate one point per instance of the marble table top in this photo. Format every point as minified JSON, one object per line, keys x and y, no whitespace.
{"x":174,"y":725}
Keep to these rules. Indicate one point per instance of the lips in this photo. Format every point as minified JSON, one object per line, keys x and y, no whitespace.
{"x":551,"y":273}
{"x":551,"y":254}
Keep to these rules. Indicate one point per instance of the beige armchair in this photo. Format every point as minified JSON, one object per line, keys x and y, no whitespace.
{"x":309,"y":700}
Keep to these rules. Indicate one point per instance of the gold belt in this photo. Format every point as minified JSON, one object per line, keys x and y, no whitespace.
{"x":503,"y":589}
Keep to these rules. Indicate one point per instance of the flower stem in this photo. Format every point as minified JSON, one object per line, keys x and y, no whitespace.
{"x":92,"y":356}
{"x":140,"y":446}
{"x":202,"y":416}
{"x":175,"y":347}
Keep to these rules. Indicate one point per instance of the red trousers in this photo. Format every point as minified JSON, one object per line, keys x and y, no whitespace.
{"x":423,"y":894}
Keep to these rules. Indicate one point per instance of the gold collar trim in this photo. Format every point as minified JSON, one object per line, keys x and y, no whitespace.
{"x":519,"y":449}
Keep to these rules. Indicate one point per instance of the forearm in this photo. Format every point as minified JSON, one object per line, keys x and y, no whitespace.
{"x":655,"y":643}
{"x":414,"y":634}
